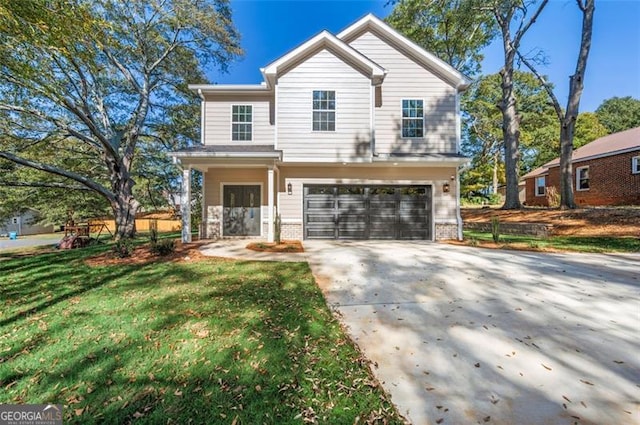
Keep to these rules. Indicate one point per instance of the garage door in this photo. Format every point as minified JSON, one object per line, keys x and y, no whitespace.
{"x":367,"y":212}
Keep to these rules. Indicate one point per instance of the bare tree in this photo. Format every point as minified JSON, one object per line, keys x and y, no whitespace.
{"x":512,"y":14}
{"x":570,"y":115}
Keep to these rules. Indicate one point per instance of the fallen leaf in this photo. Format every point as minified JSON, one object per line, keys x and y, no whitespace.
{"x":477,"y":365}
{"x":546,"y":367}
{"x":583,"y":403}
{"x":439,"y":421}
{"x":178,"y":393}
{"x":487,"y":419}
{"x":618,"y":361}
{"x":138,"y":415}
{"x":78,"y":412}
{"x":586,"y":382}
{"x":566,"y":398}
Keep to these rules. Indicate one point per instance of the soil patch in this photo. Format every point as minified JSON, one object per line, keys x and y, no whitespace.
{"x":611,"y":222}
{"x":283,"y":246}
{"x":143,"y":255}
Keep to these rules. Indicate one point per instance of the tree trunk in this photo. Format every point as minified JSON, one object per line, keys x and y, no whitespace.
{"x":566,"y":170}
{"x":495,"y":172}
{"x":124,"y":205}
{"x":510,"y":132}
{"x":573,"y":105}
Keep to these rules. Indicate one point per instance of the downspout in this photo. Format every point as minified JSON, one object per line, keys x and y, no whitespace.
{"x":458,"y":135}
{"x":202,"y":111}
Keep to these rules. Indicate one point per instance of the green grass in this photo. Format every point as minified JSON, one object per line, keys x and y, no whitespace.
{"x":566,"y":243}
{"x":203,"y":342}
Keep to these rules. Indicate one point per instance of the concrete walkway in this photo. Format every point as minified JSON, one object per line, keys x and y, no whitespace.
{"x":463,"y":335}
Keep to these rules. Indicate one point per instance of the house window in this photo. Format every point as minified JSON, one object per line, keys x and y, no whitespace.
{"x":324,"y":110}
{"x":540,"y":185}
{"x":412,"y":118}
{"x":635,"y":165}
{"x":241,"y":122}
{"x":582,"y":178}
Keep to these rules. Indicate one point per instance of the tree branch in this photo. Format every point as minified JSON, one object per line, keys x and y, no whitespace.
{"x":97,"y":187}
{"x":52,"y":185}
{"x":545,"y":84}
{"x":523,"y":29}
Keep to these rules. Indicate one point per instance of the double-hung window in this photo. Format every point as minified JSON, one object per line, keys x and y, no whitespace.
{"x":324,"y":110}
{"x":635,"y":165}
{"x":540,"y":185}
{"x":241,"y":122}
{"x":412,"y":118}
{"x":582,"y":178}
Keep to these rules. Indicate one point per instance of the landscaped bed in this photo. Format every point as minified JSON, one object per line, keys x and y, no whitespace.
{"x":184,"y":341}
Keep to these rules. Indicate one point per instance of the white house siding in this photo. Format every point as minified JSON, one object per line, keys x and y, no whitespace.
{"x":407,"y":79}
{"x":217,"y":129}
{"x":290,"y":207}
{"x":324,"y":71}
{"x":213,"y":181}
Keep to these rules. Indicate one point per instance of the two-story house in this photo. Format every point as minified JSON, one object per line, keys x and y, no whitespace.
{"x":350,"y":136}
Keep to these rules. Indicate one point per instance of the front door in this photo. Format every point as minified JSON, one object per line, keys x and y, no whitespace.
{"x":241,"y":210}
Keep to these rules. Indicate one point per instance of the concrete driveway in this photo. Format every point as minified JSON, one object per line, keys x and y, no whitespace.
{"x":7,"y":244}
{"x":463,"y":335}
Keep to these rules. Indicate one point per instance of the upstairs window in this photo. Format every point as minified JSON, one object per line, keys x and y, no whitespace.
{"x":540,"y":185}
{"x":241,"y":122}
{"x":412,"y":118}
{"x":324,"y":110}
{"x":635,"y":165}
{"x":582,"y":178}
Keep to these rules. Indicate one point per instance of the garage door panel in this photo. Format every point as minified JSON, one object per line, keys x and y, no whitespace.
{"x":367,"y":212}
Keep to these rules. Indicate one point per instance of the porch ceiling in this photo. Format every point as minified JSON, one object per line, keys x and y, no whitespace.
{"x":204,"y":157}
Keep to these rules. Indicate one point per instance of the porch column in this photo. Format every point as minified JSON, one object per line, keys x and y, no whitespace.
{"x":185,"y":208}
{"x":270,"y":214}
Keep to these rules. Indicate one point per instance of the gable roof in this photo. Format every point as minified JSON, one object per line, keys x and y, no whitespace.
{"x":613,"y":144}
{"x":323,"y":40}
{"x":429,"y":60}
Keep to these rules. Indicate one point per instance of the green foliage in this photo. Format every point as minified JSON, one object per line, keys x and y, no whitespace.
{"x":482,"y":137}
{"x":97,"y":104}
{"x":455,"y":31}
{"x":619,"y":113}
{"x":191,"y":343}
{"x":123,"y":248}
{"x":163,"y":247}
{"x":495,"y":228}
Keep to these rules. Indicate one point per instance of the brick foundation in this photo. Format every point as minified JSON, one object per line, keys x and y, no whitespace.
{"x":291,"y":231}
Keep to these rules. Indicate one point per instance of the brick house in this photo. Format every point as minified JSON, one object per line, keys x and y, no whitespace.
{"x":605,"y":172}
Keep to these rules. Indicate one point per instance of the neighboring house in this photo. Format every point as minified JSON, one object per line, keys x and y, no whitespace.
{"x":350,"y":136}
{"x":25,"y":224}
{"x":605,"y":172}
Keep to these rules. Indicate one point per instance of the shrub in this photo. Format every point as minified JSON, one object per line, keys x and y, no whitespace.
{"x":495,"y":228}
{"x":553,"y":197}
{"x":123,"y":248}
{"x":163,"y":247}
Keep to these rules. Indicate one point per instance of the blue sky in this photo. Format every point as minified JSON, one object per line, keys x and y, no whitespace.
{"x":270,"y":28}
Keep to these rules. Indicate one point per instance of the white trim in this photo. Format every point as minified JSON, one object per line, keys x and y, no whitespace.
{"x":271,"y":205}
{"x":203,"y":111}
{"x":536,"y":186}
{"x":323,"y":38}
{"x":372,"y":119}
{"x":222,"y":185}
{"x":293,"y":220}
{"x":185,"y":207}
{"x":424,"y":120}
{"x":635,"y":164}
{"x":275,"y":116}
{"x":461,"y":82}
{"x":578,"y":178}
{"x":202,"y":233}
{"x":232,"y":122}
{"x":458,"y":122}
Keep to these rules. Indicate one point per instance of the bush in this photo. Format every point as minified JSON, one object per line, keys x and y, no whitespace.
{"x":123,"y":248}
{"x":553,"y":197}
{"x":163,"y":247}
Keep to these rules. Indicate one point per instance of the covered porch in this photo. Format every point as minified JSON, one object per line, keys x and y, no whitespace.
{"x":239,"y":189}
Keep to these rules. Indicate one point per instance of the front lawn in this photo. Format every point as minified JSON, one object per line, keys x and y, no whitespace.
{"x":597,"y":244}
{"x":198,"y":342}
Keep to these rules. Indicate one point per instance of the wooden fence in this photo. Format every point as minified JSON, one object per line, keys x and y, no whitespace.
{"x":142,"y":225}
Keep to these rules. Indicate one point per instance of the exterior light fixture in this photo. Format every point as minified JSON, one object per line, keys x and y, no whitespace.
{"x":289,"y":189}
{"x":445,"y":187}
